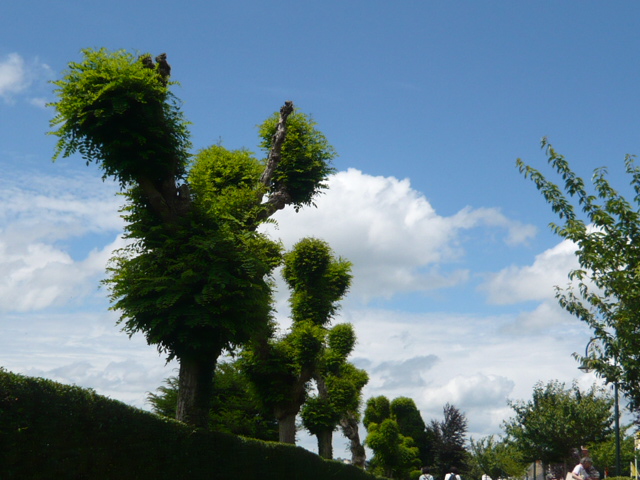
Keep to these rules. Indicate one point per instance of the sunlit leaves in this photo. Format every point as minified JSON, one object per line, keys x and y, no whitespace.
{"x":606,"y":294}
{"x":306,"y":158}
{"x":118,"y":113}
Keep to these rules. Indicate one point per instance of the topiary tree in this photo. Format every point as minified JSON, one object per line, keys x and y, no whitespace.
{"x":411,"y":424}
{"x":281,"y":368}
{"x":339,"y":387}
{"x":395,"y":456}
{"x":195,"y":277}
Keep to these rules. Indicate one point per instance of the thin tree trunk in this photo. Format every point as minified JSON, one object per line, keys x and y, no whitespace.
{"x":195,"y":389}
{"x":325,"y":444}
{"x":287,"y":428}
{"x":349,"y":425}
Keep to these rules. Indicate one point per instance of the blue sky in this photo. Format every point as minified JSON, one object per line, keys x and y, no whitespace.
{"x":428,"y":105}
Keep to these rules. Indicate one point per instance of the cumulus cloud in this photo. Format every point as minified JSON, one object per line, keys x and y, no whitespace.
{"x":516,"y":284}
{"x":42,"y":224}
{"x":116,"y":379}
{"x":474,"y":362}
{"x":17,"y":76}
{"x":404,"y":373}
{"x":85,"y":348}
{"x":392,"y":234}
{"x":473,"y":391}
{"x":13,"y":76}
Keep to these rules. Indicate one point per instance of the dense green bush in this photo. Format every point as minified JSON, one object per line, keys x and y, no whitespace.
{"x":54,"y":431}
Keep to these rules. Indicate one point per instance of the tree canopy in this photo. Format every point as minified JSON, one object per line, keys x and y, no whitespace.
{"x":281,"y":368}
{"x":604,"y":293}
{"x":558,"y":420}
{"x":195,"y":277}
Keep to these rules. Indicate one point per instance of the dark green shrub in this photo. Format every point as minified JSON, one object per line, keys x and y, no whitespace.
{"x":54,"y":431}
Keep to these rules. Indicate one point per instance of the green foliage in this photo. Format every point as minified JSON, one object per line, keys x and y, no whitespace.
{"x":377,"y":410}
{"x":317,"y":280}
{"x":606,"y":293}
{"x":306,"y":158}
{"x":196,"y":277}
{"x":411,"y":423}
{"x":49,"y":430}
{"x":341,"y":339}
{"x":446,"y":441}
{"x":234,"y":409}
{"x":342,"y":382}
{"x":187,"y":294}
{"x":319,"y":414}
{"x":395,"y":455}
{"x":604,"y":453}
{"x":496,"y":458}
{"x":118,"y":113}
{"x":557,"y":420}
{"x":226,"y":183}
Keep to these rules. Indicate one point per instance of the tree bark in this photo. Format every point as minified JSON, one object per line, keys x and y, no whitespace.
{"x":276,"y":144}
{"x":325,"y":444}
{"x":287,"y":428}
{"x":195,"y":389}
{"x":349,"y":425}
{"x":281,"y":198}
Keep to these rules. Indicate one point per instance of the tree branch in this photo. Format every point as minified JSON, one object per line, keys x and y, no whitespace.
{"x":275,"y":155}
{"x":280,"y":198}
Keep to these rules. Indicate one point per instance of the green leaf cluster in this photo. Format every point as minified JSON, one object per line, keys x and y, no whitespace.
{"x":558,"y":420}
{"x":395,"y":456}
{"x":496,"y":458}
{"x":234,"y":409}
{"x":306,"y":158}
{"x":340,"y":381}
{"x":317,"y":281}
{"x":226,"y":184}
{"x":401,"y":420}
{"x":118,"y":113}
{"x":189,"y":294}
{"x":281,"y":368}
{"x":604,"y":292}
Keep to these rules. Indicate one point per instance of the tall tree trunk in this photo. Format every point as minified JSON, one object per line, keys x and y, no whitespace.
{"x":195,"y":389}
{"x":325,"y":444}
{"x":287,"y":428}
{"x":349,"y":424}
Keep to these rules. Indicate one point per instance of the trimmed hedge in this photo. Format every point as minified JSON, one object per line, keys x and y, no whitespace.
{"x":54,"y":431}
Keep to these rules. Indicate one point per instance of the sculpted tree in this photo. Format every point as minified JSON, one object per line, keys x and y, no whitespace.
{"x":394,"y":454}
{"x":411,"y":424}
{"x":195,"y":277}
{"x":339,"y":384}
{"x":281,"y":368}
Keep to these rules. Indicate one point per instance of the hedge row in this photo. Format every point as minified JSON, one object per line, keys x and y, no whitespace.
{"x":50,"y":431}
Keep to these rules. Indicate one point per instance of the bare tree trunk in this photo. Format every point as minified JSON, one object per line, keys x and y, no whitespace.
{"x":349,"y":424}
{"x":287,"y":428}
{"x":325,"y":444}
{"x":195,"y":389}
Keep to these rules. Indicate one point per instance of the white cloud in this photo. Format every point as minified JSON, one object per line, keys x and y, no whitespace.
{"x":42,"y":224}
{"x":13,"y":75}
{"x":534,"y":282}
{"x":17,"y":76}
{"x":474,"y":362}
{"x":391,"y":233}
